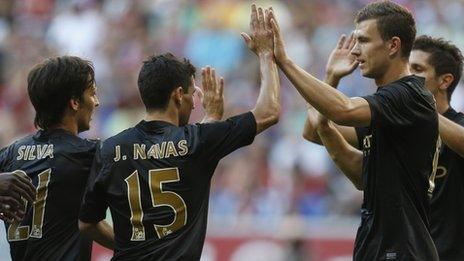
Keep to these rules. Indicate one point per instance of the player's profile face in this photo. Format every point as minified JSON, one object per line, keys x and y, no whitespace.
{"x":187,"y":104}
{"x":419,"y":65}
{"x":86,"y":108}
{"x":370,"y":49}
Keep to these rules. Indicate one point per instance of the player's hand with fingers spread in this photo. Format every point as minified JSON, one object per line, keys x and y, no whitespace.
{"x":261,"y":39}
{"x":212,"y":95}
{"x":16,"y":185}
{"x":341,"y":62}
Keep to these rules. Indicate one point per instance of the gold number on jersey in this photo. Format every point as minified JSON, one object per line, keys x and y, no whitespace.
{"x":135,"y":205}
{"x":17,"y":232}
{"x":159,"y":197}
{"x":39,"y":204}
{"x":167,"y":198}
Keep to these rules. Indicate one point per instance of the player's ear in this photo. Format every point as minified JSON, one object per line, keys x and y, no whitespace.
{"x":177,"y":95}
{"x":394,"y":44}
{"x":445,"y":81}
{"x":74,"y":104}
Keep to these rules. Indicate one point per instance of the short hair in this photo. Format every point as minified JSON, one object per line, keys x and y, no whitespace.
{"x":159,"y":76}
{"x":55,"y":81}
{"x":445,"y":57}
{"x":392,"y":20}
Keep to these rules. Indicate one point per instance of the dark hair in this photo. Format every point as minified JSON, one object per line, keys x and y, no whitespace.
{"x":392,"y":20}
{"x":159,"y":76}
{"x":55,"y":81}
{"x":444,"y":57}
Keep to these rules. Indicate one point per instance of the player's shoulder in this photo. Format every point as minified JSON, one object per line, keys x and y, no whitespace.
{"x":66,"y":142}
{"x":122,"y":137}
{"x":407,"y":84}
{"x":24,"y":141}
{"x":413,"y":88}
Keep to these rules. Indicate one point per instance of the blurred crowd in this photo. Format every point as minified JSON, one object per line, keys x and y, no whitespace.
{"x":280,"y":174}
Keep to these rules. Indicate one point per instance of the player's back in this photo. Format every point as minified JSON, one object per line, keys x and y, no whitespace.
{"x":155,"y":178}
{"x":58,"y":163}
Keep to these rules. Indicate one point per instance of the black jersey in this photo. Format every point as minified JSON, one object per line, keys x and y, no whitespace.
{"x":399,"y":148}
{"x":58,"y":163}
{"x":155,"y":178}
{"x":448,"y":201}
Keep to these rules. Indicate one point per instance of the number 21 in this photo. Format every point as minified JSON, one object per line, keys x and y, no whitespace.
{"x":17,"y":232}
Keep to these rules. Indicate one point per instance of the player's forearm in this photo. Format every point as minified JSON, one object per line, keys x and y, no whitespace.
{"x":312,"y":121}
{"x":452,"y":135}
{"x":310,"y":127}
{"x":101,"y":232}
{"x":327,"y":100}
{"x":345,"y":156}
{"x":331,"y":80}
{"x":267,"y":107}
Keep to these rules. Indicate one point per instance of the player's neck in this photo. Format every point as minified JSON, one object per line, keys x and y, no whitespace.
{"x":168,"y":115}
{"x":442,"y":102}
{"x":395,"y":72}
{"x":66,"y":124}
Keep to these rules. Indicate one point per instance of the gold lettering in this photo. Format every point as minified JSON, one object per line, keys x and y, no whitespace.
{"x":31,"y":153}
{"x":156,"y":152}
{"x":171,"y":150}
{"x":41,"y":151}
{"x":21,"y":152}
{"x":183,"y":149}
{"x":139,"y":151}
{"x":49,"y":152}
{"x":117,"y":153}
{"x":26,"y":153}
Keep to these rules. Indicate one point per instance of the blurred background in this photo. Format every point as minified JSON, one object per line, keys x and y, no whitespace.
{"x":278,"y":199}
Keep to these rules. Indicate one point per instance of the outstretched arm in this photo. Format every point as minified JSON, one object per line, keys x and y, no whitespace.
{"x":452,"y":135}
{"x":340,"y":63}
{"x":345,"y":156}
{"x":267,"y":108}
{"x":330,"y":102}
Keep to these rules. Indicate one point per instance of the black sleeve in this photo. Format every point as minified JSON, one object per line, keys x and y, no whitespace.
{"x":394,"y":105}
{"x":221,"y":138}
{"x":94,"y":205}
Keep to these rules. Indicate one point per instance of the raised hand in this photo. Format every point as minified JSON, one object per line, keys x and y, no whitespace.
{"x":279,"y":47}
{"x":261,"y":40}
{"x":341,"y":62}
{"x":212,"y":95}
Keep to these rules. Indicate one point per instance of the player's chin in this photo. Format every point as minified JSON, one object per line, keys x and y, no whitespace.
{"x":367,"y":73}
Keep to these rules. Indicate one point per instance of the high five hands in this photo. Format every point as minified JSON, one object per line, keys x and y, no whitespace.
{"x":265,"y":35}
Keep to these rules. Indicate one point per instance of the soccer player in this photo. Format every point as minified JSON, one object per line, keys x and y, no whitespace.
{"x":62,"y":91}
{"x":441,"y":63}
{"x":155,"y":177}
{"x":397,"y":129}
